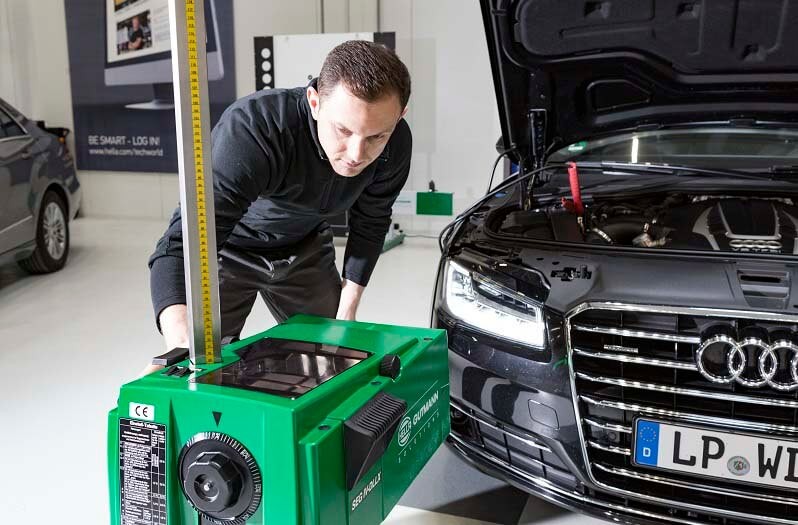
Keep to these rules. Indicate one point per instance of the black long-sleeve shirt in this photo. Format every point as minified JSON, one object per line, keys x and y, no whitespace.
{"x":273,"y":186}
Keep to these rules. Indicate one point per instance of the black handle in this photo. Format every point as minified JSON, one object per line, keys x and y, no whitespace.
{"x":171,"y":357}
{"x":368,"y":433}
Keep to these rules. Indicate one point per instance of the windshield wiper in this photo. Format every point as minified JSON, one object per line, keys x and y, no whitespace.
{"x":671,"y":169}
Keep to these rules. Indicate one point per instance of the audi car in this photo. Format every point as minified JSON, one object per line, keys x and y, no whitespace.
{"x":622,"y":310}
{"x":39,"y":193}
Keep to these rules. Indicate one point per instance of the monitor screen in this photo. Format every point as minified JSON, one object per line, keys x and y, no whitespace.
{"x":284,"y":367}
{"x":136,"y":28}
{"x":139,"y":29}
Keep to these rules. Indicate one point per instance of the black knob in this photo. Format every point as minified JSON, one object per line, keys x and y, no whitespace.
{"x":213,"y":482}
{"x":220,"y":478}
{"x":390,"y":366}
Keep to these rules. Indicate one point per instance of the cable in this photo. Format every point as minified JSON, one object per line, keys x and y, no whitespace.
{"x":524,"y":188}
{"x":450,"y":228}
{"x":490,"y":183}
{"x":493,"y":171}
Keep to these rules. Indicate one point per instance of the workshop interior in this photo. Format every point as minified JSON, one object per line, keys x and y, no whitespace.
{"x":362,"y":262}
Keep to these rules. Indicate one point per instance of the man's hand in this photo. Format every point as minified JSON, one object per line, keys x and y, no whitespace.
{"x":174,"y":326}
{"x":149,"y":369}
{"x":350,"y":300}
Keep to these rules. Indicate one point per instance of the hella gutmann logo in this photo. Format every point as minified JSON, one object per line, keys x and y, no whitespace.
{"x":407,"y":424}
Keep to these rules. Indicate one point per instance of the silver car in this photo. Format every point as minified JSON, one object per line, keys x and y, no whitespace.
{"x":39,"y":193}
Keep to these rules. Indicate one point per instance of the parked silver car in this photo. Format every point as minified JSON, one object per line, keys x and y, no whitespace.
{"x":39,"y":193}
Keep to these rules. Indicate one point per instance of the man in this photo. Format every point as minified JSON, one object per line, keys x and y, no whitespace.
{"x":136,"y":36}
{"x":284,"y":161}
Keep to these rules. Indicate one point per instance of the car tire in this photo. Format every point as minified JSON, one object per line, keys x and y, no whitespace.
{"x":52,"y":237}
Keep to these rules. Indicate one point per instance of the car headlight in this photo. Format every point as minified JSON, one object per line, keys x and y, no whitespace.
{"x":492,"y":307}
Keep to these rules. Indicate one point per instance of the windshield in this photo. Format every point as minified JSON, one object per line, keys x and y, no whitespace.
{"x":712,"y":147}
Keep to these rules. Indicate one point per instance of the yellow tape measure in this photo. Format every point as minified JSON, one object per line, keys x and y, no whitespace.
{"x":199,"y":173}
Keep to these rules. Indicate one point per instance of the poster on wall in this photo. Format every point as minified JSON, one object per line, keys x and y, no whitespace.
{"x":121,"y":77}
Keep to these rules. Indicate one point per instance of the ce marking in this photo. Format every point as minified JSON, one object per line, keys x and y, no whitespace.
{"x":140,"y":411}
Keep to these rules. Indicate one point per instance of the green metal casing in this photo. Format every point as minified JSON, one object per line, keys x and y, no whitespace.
{"x":298,"y":443}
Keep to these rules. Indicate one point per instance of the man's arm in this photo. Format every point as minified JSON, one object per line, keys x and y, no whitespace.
{"x":174,"y":325}
{"x":350,"y":300}
{"x":369,"y":220}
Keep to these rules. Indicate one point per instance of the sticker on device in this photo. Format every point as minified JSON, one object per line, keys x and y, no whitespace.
{"x":140,"y":411}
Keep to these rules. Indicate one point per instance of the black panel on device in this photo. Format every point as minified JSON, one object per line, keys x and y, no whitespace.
{"x":171,"y":357}
{"x":368,"y":432}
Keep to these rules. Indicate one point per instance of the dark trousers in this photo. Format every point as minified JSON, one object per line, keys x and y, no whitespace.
{"x":298,"y":279}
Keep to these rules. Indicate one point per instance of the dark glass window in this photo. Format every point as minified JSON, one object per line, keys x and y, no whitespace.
{"x":9,"y":127}
{"x":710,"y":147}
{"x":284,"y":367}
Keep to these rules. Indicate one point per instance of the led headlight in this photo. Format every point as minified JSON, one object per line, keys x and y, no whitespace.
{"x":492,"y":307}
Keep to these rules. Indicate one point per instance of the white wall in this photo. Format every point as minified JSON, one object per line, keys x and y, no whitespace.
{"x":261,"y":18}
{"x":452,"y":110}
{"x":7,"y":84}
{"x":34,"y":59}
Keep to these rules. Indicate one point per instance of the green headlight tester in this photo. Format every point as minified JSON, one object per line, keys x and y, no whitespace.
{"x":313,"y":422}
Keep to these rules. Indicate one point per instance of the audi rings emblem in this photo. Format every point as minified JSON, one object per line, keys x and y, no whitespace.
{"x":751,"y":362}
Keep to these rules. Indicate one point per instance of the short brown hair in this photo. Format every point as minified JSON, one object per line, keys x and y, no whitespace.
{"x":367,"y":69}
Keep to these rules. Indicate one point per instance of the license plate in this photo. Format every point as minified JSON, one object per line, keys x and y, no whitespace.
{"x":735,"y":457}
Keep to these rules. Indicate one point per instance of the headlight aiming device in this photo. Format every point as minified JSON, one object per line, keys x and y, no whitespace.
{"x":314,"y":422}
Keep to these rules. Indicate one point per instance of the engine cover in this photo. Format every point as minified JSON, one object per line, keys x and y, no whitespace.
{"x":733,"y":224}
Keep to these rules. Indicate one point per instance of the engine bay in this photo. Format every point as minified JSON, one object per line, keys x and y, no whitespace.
{"x":677,"y":221}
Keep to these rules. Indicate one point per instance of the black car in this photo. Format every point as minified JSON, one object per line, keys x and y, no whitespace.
{"x":622,"y":311}
{"x":39,"y":193}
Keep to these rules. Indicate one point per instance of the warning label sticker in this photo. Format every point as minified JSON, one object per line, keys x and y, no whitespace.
{"x":142,"y":472}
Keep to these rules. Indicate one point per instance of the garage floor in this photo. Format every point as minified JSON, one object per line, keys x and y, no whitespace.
{"x":72,"y":338}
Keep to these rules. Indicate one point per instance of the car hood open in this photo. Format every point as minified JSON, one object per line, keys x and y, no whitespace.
{"x":567,"y":70}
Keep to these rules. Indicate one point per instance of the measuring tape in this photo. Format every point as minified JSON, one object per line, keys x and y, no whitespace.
{"x":199,"y":171}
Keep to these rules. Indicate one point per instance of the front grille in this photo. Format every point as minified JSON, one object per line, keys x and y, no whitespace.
{"x":638,"y":361}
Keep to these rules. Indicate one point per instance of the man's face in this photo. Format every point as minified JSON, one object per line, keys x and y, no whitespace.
{"x":135,"y":24}
{"x":353,"y":132}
